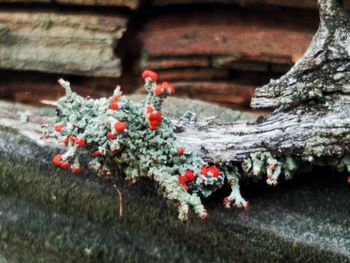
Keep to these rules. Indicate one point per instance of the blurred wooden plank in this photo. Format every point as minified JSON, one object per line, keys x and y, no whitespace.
{"x":133,"y":4}
{"x":174,"y":62}
{"x":120,"y":3}
{"x":193,"y":74}
{"x":240,"y":33}
{"x":79,"y":44}
{"x":288,"y":3}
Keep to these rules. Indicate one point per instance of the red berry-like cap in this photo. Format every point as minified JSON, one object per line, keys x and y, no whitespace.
{"x":120,"y":126}
{"x":59,"y":127}
{"x":65,"y":165}
{"x":155,"y":117}
{"x":189,"y":174}
{"x":158,"y":90}
{"x":76,"y":170}
{"x":57,"y":159}
{"x":214,"y":170}
{"x":204,"y":170}
{"x":66,"y":140}
{"x":80,"y":141}
{"x":110,"y":135}
{"x":168,"y":88}
{"x":182,"y":181}
{"x":113,"y":105}
{"x":72,"y":138}
{"x":149,"y":109}
{"x":149,"y":74}
{"x":97,"y":153}
{"x":180,"y":151}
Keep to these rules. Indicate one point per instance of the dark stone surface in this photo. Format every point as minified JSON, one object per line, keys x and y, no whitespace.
{"x":49,"y":215}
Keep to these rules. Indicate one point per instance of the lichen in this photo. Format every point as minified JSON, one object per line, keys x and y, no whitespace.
{"x":138,"y":141}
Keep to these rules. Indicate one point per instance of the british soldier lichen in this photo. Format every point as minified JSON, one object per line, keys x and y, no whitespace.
{"x":138,"y":140}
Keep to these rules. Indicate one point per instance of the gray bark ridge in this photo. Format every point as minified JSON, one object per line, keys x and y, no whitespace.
{"x":324,"y":68}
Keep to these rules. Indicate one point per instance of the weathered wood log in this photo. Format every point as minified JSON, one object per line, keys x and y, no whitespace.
{"x":61,"y":43}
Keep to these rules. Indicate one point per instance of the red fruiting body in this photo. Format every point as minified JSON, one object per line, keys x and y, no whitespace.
{"x":149,"y":74}
{"x":349,"y":180}
{"x":204,"y":170}
{"x":120,"y":126}
{"x":57,"y":159}
{"x":76,"y":170}
{"x":59,"y":127}
{"x":72,"y":138}
{"x":168,"y":88}
{"x":149,"y":109}
{"x":214,"y":170}
{"x":211,"y":169}
{"x":180,"y":151}
{"x":171,"y":90}
{"x":80,"y":141}
{"x":189,"y":175}
{"x":154,"y":119}
{"x":65,"y":165}
{"x":158,"y":90}
{"x":97,"y":153}
{"x":182,"y":181}
{"x":66,"y":140}
{"x":113,"y":105}
{"x":110,"y":135}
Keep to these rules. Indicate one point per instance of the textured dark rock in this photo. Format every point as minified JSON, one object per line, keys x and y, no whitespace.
{"x":48,"y":215}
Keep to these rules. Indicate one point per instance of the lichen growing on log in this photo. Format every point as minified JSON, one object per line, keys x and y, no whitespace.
{"x":139,"y":142}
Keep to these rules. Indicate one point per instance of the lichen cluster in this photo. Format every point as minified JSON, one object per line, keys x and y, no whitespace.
{"x":138,"y":141}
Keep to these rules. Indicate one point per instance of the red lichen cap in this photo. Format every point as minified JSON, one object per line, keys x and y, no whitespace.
{"x":97,"y":153}
{"x":182,"y":181}
{"x":57,"y":159}
{"x":189,"y":174}
{"x":80,"y":141}
{"x":110,"y":135}
{"x":76,"y":170}
{"x":59,"y":127}
{"x":158,"y":90}
{"x":149,"y":74}
{"x":168,"y":88}
{"x":120,"y":126}
{"x":113,"y":105}
{"x":180,"y":151}
{"x":211,"y":169}
{"x":214,"y":170}
{"x":65,"y":165}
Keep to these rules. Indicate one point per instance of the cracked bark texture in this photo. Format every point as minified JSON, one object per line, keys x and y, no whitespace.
{"x":324,"y":68}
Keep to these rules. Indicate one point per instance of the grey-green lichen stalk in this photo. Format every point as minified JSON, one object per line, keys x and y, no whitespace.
{"x":139,"y":141}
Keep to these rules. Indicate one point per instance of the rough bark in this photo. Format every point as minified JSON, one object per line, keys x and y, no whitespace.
{"x":324,"y":68}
